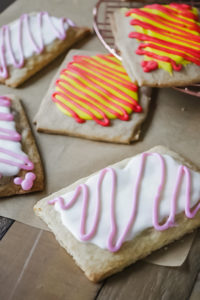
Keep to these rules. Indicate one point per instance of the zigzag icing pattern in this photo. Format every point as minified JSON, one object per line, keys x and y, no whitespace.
{"x":12,"y":158}
{"x":115,"y":205}
{"x":96,"y":88}
{"x":27,"y":36}
{"x":169,"y":35}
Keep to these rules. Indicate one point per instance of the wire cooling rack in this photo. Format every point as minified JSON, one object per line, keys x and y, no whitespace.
{"x":101,"y":15}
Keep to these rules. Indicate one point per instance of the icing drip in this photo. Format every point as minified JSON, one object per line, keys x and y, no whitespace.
{"x":28,"y":35}
{"x":147,"y":183}
{"x":12,"y":158}
{"x":170,"y":35}
{"x":96,"y":88}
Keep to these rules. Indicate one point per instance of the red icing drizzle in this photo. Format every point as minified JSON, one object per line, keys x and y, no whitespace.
{"x":192,"y":40}
{"x":101,"y":74}
{"x":148,"y":66}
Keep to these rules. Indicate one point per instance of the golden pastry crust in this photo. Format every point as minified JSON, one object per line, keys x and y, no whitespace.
{"x":58,"y":123}
{"x":132,"y":62}
{"x":38,"y":61}
{"x":7,"y":186}
{"x":98,"y":263}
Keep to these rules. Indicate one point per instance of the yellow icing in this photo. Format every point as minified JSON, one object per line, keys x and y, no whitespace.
{"x":86,"y":78}
{"x":170,"y":37}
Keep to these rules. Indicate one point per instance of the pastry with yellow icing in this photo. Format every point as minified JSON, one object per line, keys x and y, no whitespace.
{"x":92,"y":96}
{"x":159,"y":44}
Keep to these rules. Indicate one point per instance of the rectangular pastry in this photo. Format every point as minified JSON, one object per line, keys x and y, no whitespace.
{"x":31,"y":42}
{"x":92,"y":97}
{"x":122,"y":213}
{"x":20,"y":165}
{"x":159,"y":44}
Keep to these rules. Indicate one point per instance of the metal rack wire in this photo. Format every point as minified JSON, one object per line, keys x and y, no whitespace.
{"x":102,"y":27}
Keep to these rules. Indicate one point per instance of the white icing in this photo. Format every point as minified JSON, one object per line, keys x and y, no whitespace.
{"x":5,"y":169}
{"x":48,"y":35}
{"x":126,"y":179}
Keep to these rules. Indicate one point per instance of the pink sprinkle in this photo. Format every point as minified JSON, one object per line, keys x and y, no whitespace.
{"x":27,"y":182}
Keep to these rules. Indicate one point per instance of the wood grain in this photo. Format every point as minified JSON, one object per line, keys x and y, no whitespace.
{"x":5,"y":3}
{"x":195,"y":295}
{"x":36,"y":267}
{"x":145,"y":281}
{"x":5,"y":224}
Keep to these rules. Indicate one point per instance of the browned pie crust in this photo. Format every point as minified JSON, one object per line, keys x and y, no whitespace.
{"x":7,"y":186}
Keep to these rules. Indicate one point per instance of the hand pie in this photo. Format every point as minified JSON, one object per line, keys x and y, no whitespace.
{"x":20,"y":165}
{"x":159,"y":44}
{"x":92,"y":97}
{"x":124,"y":212}
{"x":31,"y":42}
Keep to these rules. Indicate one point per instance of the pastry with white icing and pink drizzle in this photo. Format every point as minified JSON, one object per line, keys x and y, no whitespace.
{"x":31,"y":42}
{"x":20,"y":166}
{"x":124,"y":212}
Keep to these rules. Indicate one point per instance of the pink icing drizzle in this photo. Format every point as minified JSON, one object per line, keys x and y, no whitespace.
{"x":24,"y":21}
{"x":112,"y":244}
{"x":11,"y":135}
{"x":26,"y":164}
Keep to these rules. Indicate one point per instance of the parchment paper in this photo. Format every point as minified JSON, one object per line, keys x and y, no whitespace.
{"x":173,"y":121}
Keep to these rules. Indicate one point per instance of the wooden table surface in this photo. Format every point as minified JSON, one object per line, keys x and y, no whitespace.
{"x":140,"y":281}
